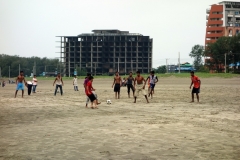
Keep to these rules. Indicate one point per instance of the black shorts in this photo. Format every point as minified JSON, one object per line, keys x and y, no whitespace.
{"x":196,"y":90}
{"x":92,"y":97}
{"x":117,"y":88}
{"x":130,"y":86}
{"x":152,"y":85}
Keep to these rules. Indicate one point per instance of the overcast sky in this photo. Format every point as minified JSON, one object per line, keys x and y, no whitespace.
{"x":29,"y":27}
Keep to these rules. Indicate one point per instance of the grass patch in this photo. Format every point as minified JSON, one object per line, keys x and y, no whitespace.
{"x":177,"y":75}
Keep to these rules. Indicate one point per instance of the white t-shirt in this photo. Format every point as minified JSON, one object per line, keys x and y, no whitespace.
{"x":153,"y":79}
{"x":33,"y":81}
{"x":75,"y":81}
{"x":29,"y":82}
{"x":58,"y":81}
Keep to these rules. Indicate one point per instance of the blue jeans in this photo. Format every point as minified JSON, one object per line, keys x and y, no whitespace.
{"x":34,"y":88}
{"x":60,"y":86}
{"x":75,"y":88}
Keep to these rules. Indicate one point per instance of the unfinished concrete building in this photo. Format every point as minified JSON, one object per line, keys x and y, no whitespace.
{"x":106,"y":51}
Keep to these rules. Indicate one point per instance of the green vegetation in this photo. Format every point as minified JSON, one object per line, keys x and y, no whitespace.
{"x":27,"y":65}
{"x":197,"y":53}
{"x":224,"y":45}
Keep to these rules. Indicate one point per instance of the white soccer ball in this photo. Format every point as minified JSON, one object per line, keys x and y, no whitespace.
{"x":109,"y":101}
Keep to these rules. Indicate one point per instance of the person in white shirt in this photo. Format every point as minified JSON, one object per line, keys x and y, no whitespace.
{"x":29,"y":85}
{"x":59,"y":84}
{"x":34,"y":83}
{"x":153,"y":80}
{"x":75,"y":84}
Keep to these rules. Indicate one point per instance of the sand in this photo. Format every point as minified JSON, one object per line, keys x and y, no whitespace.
{"x":43,"y":126}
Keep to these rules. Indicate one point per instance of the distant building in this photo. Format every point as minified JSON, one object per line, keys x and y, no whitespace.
{"x":106,"y":51}
{"x":223,"y":19}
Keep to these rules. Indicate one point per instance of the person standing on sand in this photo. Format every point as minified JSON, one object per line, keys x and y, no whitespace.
{"x":90,"y":94}
{"x":20,"y":84}
{"x":75,"y":84}
{"x":29,"y":85}
{"x":196,"y":86}
{"x":58,"y":84}
{"x":153,"y":79}
{"x":117,"y":83}
{"x":34,"y":84}
{"x":129,"y":82}
{"x":139,"y":87}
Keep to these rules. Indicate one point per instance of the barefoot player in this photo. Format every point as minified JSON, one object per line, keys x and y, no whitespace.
{"x":89,"y":93}
{"x":59,"y":83}
{"x":117,"y":83}
{"x":139,"y":87}
{"x":153,"y":79}
{"x":20,"y":84}
{"x":196,"y":86}
{"x":129,"y":82}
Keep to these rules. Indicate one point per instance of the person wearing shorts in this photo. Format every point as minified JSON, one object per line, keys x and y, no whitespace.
{"x":19,"y":82}
{"x":196,"y":82}
{"x":117,"y":83}
{"x":139,"y":85}
{"x":90,"y":94}
{"x":153,"y":79}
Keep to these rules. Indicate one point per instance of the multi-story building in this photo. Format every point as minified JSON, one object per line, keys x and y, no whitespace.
{"x":106,"y":51}
{"x":223,"y":19}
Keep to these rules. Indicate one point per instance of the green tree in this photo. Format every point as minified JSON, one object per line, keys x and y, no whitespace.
{"x":197,"y":53}
{"x":216,"y":51}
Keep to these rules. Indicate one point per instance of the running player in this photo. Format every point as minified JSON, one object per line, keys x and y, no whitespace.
{"x":89,"y":93}
{"x":196,"y":86}
{"x":117,"y":83}
{"x":139,"y":87}
{"x":20,"y":84}
{"x":129,"y":82}
{"x":153,"y":79}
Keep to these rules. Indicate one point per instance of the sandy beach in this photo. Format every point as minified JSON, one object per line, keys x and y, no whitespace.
{"x":44,"y":126}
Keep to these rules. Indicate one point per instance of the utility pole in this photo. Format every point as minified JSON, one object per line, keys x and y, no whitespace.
{"x":118,"y":64}
{"x":69,"y":66}
{"x":225,"y":62}
{"x":34,"y":68}
{"x":131,"y":65}
{"x":95,"y":68}
{"x":9,"y":72}
{"x":166,"y":65}
{"x":179,"y":62}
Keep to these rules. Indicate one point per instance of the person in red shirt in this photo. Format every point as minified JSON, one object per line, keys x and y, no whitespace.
{"x":90,"y":94}
{"x":196,"y":85}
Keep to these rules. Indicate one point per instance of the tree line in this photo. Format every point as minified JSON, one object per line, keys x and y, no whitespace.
{"x":26,"y":65}
{"x":214,"y":55}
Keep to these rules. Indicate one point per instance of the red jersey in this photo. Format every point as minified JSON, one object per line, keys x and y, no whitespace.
{"x":88,"y":89}
{"x":196,"y":81}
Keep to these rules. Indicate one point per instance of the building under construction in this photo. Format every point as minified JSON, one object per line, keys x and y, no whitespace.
{"x":106,"y":51}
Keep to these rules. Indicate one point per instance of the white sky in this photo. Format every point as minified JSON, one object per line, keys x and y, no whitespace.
{"x":28,"y":27}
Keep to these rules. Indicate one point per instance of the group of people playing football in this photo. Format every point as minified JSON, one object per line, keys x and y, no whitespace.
{"x":136,"y":84}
